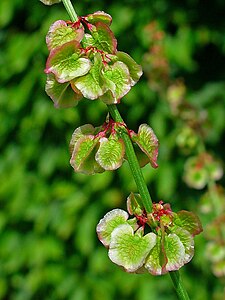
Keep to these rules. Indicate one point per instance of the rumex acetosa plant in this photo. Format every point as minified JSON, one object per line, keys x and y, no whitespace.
{"x":84,"y":62}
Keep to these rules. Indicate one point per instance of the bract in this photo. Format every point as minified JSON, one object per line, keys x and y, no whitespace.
{"x":103,"y":38}
{"x":111,"y":220}
{"x":62,"y":94}
{"x":117,"y":80}
{"x":110,"y":153}
{"x":60,"y":33}
{"x":66,"y":62}
{"x":79,"y":132}
{"x":92,"y":85}
{"x":135,"y":70}
{"x":148,"y":143}
{"x":83,"y":156}
{"x":171,"y":250}
{"x":129,"y":249}
{"x":99,"y":16}
{"x":189,"y":221}
{"x":134,"y":205}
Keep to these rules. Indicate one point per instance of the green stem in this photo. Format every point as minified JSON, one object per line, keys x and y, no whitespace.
{"x":178,"y":285}
{"x":70,"y":10}
{"x":133,"y":162}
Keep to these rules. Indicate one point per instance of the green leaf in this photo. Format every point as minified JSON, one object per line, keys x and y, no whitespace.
{"x":111,"y":220}
{"x":92,"y":84}
{"x":117,"y":80}
{"x":189,"y":221}
{"x":61,"y":93}
{"x":135,"y":70}
{"x":59,"y":33}
{"x":83,"y":159}
{"x":99,"y":16}
{"x":148,"y":143}
{"x":65,"y":62}
{"x":110,"y":153}
{"x":79,"y":132}
{"x":129,"y":249}
{"x":103,"y":37}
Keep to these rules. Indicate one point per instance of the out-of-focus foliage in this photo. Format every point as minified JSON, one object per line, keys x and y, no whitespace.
{"x":48,"y":214}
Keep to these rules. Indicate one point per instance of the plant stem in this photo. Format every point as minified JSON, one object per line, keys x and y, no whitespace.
{"x":178,"y":285}
{"x":133,"y":162}
{"x":70,"y":10}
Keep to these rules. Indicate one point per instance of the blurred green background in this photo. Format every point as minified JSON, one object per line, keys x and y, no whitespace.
{"x":48,"y":214}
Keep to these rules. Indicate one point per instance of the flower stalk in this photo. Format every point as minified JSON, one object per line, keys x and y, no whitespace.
{"x":70,"y":10}
{"x":178,"y":285}
{"x":134,"y":166}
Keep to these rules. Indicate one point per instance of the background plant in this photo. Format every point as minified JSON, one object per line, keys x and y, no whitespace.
{"x":39,"y":214}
